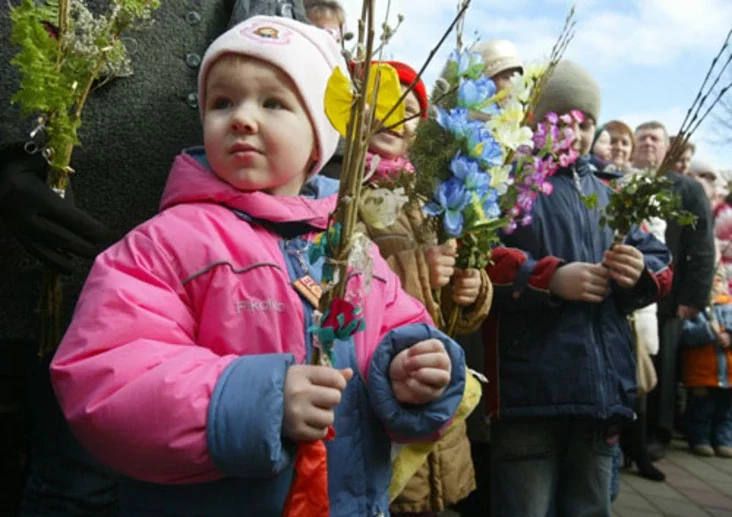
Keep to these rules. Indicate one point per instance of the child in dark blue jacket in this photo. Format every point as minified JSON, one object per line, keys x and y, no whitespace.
{"x":560,"y":355}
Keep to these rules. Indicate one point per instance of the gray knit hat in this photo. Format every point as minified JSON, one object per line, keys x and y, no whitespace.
{"x":570,"y":87}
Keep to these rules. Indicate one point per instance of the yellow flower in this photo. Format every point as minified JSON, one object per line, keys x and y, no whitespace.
{"x":339,"y":97}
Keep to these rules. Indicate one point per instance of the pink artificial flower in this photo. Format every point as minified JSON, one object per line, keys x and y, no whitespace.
{"x":578,"y":116}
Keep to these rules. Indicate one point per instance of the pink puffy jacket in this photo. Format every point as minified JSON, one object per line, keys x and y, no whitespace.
{"x":185,"y":328}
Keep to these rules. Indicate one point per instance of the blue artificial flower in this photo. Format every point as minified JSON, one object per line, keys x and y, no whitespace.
{"x":451,"y":198}
{"x":491,"y":208}
{"x":469,"y":173}
{"x":483,"y":146}
{"x":474,"y":94}
{"x":469,"y":64}
{"x":457,"y":122}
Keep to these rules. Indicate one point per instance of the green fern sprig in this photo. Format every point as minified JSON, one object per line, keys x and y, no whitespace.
{"x":64,"y":50}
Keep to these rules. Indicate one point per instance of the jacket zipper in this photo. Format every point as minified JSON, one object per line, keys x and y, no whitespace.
{"x":297,"y":268}
{"x":595,"y":310}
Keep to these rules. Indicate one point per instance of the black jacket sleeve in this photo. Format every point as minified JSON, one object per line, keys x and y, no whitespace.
{"x":696,"y":251}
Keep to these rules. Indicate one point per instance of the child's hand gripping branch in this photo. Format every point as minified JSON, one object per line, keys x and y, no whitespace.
{"x":421,"y":373}
{"x":466,"y":282}
{"x":625,"y":264}
{"x":311,"y":394}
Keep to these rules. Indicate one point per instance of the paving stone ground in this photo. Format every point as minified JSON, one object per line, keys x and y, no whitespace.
{"x":694,"y":487}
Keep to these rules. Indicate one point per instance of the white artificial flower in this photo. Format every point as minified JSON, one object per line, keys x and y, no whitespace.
{"x":519,"y":88}
{"x":507,"y":129}
{"x":514,"y":136}
{"x":380,"y":207}
{"x":534,"y":70}
{"x":500,"y":178}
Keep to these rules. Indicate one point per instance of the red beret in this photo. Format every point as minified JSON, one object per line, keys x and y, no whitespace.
{"x":407,"y":74}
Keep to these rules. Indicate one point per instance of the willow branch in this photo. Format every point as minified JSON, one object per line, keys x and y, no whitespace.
{"x":706,"y":78}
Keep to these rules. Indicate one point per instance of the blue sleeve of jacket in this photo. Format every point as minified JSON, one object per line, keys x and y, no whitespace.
{"x":698,"y":332}
{"x":413,"y":422}
{"x":657,"y":278}
{"x":244,"y":429}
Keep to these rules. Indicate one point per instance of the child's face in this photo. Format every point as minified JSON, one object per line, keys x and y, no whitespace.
{"x":502,"y":80}
{"x":256,"y":131}
{"x":389,"y":143}
{"x":585,"y":132}
{"x":328,"y":21}
{"x":720,"y":285}
{"x":601,"y":149}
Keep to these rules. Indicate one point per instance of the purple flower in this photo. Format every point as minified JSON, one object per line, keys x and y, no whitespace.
{"x":552,"y":118}
{"x":510,"y":228}
{"x":527,"y":219}
{"x":525,"y":200}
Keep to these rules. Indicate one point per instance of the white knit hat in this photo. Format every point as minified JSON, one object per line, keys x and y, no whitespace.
{"x":699,"y":167}
{"x":499,"y":55}
{"x":307,"y":54}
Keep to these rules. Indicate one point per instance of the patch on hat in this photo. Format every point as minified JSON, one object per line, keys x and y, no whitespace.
{"x":267,"y":34}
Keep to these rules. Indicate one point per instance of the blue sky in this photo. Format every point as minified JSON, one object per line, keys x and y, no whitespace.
{"x":649,"y":56}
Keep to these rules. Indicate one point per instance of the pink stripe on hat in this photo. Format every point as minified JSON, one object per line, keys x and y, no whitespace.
{"x":307,"y":54}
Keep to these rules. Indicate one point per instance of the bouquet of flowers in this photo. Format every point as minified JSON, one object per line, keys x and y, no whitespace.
{"x":65,"y":53}
{"x":477,"y":179}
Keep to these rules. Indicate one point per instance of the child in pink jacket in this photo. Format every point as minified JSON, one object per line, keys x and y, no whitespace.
{"x":185,"y":367}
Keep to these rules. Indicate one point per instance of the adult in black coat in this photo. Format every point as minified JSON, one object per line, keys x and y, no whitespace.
{"x":693,"y":252}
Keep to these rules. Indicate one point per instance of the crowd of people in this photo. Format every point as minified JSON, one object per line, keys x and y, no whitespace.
{"x":181,"y":385}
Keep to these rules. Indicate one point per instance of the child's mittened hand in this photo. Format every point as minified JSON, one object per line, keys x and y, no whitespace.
{"x":581,"y":282}
{"x":421,"y":373}
{"x":625,"y":264}
{"x":311,"y":393}
{"x":466,"y":286}
{"x":441,"y":261}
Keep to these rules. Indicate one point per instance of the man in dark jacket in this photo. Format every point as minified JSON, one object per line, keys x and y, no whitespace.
{"x":692,"y":248}
{"x":132,"y":128}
